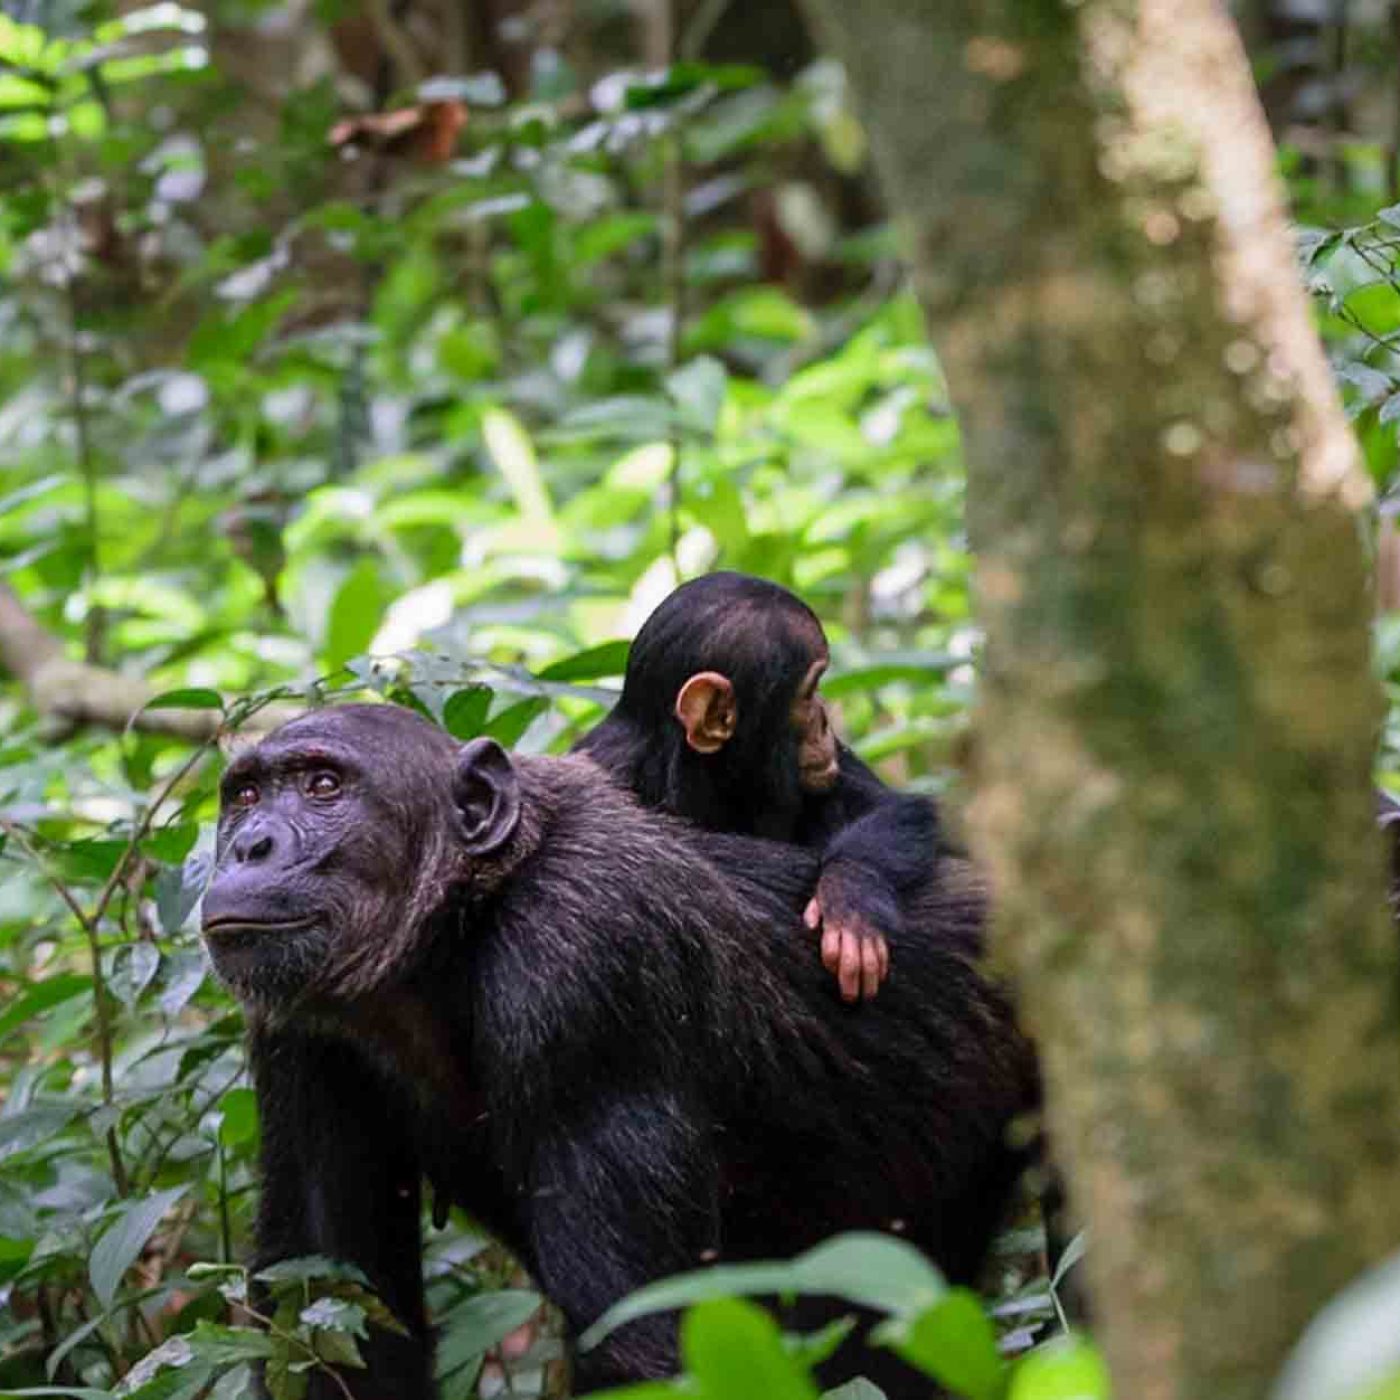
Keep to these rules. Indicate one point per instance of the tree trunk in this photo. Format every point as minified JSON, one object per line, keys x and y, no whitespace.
{"x":1177,"y":713}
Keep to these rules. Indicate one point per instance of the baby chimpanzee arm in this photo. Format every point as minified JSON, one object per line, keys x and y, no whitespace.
{"x":877,"y":847}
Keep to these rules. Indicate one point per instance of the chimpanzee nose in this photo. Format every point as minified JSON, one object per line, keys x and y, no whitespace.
{"x":251,"y":846}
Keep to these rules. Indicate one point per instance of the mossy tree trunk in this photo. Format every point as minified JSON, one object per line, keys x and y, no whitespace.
{"x":1177,"y":713}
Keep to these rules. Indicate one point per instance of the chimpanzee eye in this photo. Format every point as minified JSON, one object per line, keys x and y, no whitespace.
{"x":323,"y":783}
{"x":245,"y":795}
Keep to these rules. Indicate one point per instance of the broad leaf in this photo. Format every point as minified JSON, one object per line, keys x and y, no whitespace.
{"x":122,"y":1242}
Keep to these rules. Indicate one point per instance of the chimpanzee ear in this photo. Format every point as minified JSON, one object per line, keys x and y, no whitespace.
{"x":705,"y":707}
{"x":486,"y":789}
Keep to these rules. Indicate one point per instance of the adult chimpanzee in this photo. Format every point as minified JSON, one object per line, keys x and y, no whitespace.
{"x":720,"y":721}
{"x":598,"y":1029}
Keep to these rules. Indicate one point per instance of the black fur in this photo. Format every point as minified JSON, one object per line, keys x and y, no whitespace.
{"x":605,"y":1035}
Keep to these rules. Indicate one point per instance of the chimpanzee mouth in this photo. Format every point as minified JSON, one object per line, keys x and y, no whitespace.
{"x":235,"y":926}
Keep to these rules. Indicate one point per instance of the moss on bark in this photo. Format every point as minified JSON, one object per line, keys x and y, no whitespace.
{"x":1177,"y":712}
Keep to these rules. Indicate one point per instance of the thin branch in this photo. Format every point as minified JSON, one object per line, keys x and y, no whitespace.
{"x":142,"y":827}
{"x":396,"y":43}
{"x":87,"y":462}
{"x":102,"y":1012}
{"x":91,"y":925}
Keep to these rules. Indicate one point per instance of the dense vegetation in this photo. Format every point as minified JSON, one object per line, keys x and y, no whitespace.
{"x":294,"y":404}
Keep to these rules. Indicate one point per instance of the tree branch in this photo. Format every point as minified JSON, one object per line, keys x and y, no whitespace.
{"x":74,"y":694}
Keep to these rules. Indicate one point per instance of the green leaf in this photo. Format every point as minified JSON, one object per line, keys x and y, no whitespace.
{"x":177,"y":891}
{"x":1388,"y":1389}
{"x":205,"y":1268}
{"x":185,"y":971}
{"x":336,"y":1315}
{"x":123,"y":1241}
{"x":221,"y":1346}
{"x":309,"y":1266}
{"x":1352,"y":1345}
{"x":1068,"y":1368}
{"x":857,"y":1389}
{"x":133,"y":968}
{"x":1072,"y":1254}
{"x":734,"y":1350}
{"x":606,"y":659}
{"x":185,"y":698}
{"x":873,"y":1270}
{"x":812,"y":1348}
{"x":171,"y":844}
{"x":464,"y":714}
{"x":514,"y":455}
{"x":337,"y":1348}
{"x":53,"y":992}
{"x":481,"y":1322}
{"x":76,"y":1392}
{"x":354,"y":615}
{"x":237,"y":1384}
{"x":698,"y":390}
{"x":170,"y":1372}
{"x":165,"y":15}
{"x":954,"y":1342}
{"x":508,"y":727}
{"x":924,"y":671}
{"x":239,"y":1108}
{"x":34,"y":1125}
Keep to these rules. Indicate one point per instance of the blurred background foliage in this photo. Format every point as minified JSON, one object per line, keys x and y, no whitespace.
{"x":424,"y":349}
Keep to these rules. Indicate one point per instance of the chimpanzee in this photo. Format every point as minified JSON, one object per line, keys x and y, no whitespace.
{"x":598,"y":1029}
{"x":720,"y":721}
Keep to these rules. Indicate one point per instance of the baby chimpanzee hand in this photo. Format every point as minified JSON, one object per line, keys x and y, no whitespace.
{"x":854,"y":910}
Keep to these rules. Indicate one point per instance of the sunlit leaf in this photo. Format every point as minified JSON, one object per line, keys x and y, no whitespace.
{"x":133,"y":969}
{"x":514,"y":455}
{"x":355,"y":614}
{"x":239,"y":1108}
{"x":953,"y":1341}
{"x":875,"y":1271}
{"x":1068,"y":1368}
{"x":508,"y":727}
{"x":597,"y":663}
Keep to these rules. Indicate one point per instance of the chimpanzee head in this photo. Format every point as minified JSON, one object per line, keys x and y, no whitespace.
{"x":340,"y":836}
{"x":721,"y":701}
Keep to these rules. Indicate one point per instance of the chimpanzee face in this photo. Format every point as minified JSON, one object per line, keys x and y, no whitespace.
{"x":817,"y":762}
{"x":332,"y":833}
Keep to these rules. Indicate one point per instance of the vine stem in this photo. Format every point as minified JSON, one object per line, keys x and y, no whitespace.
{"x":103,"y":1015}
{"x":91,"y":925}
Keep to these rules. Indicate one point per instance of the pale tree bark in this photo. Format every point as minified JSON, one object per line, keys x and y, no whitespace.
{"x":1177,"y":714}
{"x":70,"y":694}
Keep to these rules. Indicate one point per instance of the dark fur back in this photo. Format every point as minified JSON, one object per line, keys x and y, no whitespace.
{"x":668,"y":948}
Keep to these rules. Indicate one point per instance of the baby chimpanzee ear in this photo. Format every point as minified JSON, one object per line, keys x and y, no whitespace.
{"x":706,"y":709}
{"x":486,"y":789}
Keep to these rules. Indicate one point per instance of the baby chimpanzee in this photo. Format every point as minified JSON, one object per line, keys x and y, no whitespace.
{"x":720,"y":721}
